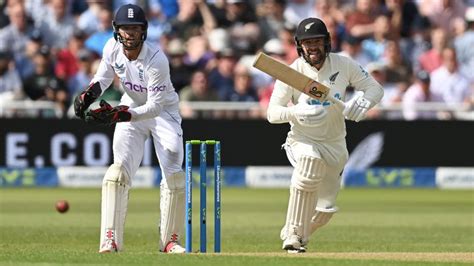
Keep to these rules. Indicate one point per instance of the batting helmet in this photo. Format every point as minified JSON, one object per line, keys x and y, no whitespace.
{"x":130,"y":15}
{"x":312,"y":28}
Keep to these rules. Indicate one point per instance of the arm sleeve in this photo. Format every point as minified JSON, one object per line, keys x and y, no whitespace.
{"x":361,"y":80}
{"x":160,"y":91}
{"x":105,"y":73}
{"x":278,"y":112}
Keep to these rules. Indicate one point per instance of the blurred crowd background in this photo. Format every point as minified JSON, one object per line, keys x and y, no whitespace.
{"x":421,"y":51}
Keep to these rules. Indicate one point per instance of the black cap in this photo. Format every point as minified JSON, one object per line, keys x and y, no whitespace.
{"x":311,"y":28}
{"x":130,"y":15}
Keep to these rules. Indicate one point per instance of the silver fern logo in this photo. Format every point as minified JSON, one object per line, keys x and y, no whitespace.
{"x":333,"y":78}
{"x":308,"y":26}
{"x":366,"y":153}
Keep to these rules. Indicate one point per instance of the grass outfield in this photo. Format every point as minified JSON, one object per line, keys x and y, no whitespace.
{"x":373,"y":227}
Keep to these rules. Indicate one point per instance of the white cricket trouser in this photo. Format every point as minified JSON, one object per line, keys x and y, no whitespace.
{"x":129,"y":140}
{"x":334,"y":154}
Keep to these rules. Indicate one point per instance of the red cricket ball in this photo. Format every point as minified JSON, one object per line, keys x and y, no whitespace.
{"x":62,"y":206}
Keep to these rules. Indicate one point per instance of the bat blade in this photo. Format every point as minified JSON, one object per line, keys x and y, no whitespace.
{"x":293,"y":78}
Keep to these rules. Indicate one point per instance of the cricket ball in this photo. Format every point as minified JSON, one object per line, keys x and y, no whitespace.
{"x":62,"y":206}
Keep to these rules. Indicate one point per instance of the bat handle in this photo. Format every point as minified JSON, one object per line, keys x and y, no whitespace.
{"x":340,"y":104}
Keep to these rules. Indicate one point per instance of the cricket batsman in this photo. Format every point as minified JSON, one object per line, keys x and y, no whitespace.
{"x":149,"y":107}
{"x":315,"y":144}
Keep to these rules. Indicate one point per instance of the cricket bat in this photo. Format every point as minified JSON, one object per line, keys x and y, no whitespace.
{"x":295,"y":79}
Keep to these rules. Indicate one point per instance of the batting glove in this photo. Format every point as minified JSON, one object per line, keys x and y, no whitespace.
{"x":356,"y":109}
{"x":308,"y":115}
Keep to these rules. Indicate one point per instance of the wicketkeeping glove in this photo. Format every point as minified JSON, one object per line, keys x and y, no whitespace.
{"x":356,"y":108}
{"x":85,"y":99}
{"x":108,"y":115}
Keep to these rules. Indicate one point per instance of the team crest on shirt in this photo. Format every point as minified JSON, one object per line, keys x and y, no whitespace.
{"x":119,"y":68}
{"x":141,"y":75}
{"x":333,"y":77}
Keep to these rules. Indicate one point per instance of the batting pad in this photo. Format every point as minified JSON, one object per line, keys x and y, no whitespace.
{"x":115,"y":188}
{"x":300,"y":208}
{"x":308,"y":173}
{"x":321,"y":217}
{"x":172,"y":208}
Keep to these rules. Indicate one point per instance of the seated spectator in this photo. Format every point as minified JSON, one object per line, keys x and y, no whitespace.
{"x":218,"y":40}
{"x":198,"y":54}
{"x":419,"y":92}
{"x":297,"y":9}
{"x":448,"y":83}
{"x":464,"y":47}
{"x":193,"y":18}
{"x":84,"y":74}
{"x":431,"y":59}
{"x":59,"y":23}
{"x":260,"y":80}
{"x":96,"y":41}
{"x":397,"y":68}
{"x":393,"y":93}
{"x":335,"y":30}
{"x":243,"y":91}
{"x":67,"y":63}
{"x":11,"y":87}
{"x":13,"y":38}
{"x":289,"y":46}
{"x":157,"y":24}
{"x":197,"y":90}
{"x":360,"y":22}
{"x":43,"y":84}
{"x":375,"y":46}
{"x":180,"y":72}
{"x":271,"y":21}
{"x":352,"y":48}
{"x":221,"y":77}
{"x":241,"y":23}
{"x":442,"y":13}
{"x":4,"y":21}
{"x":418,"y":43}
{"x":404,"y":14}
{"x":24,"y":63}
{"x":88,"y":21}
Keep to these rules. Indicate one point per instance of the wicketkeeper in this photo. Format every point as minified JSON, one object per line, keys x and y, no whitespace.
{"x":149,"y":107}
{"x":316,"y":145}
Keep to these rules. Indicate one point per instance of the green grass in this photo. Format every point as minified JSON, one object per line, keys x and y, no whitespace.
{"x":418,"y":227}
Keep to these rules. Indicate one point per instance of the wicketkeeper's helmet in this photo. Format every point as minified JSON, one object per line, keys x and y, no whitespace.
{"x":130,"y":15}
{"x":310,"y":28}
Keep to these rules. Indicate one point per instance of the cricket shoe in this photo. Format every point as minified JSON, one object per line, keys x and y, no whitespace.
{"x":174,"y":247}
{"x":109,"y":246}
{"x":292,"y":244}
{"x":294,"y":251}
{"x":284,"y":235}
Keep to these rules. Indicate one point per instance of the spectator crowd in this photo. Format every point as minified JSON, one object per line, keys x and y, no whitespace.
{"x":421,"y":51}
